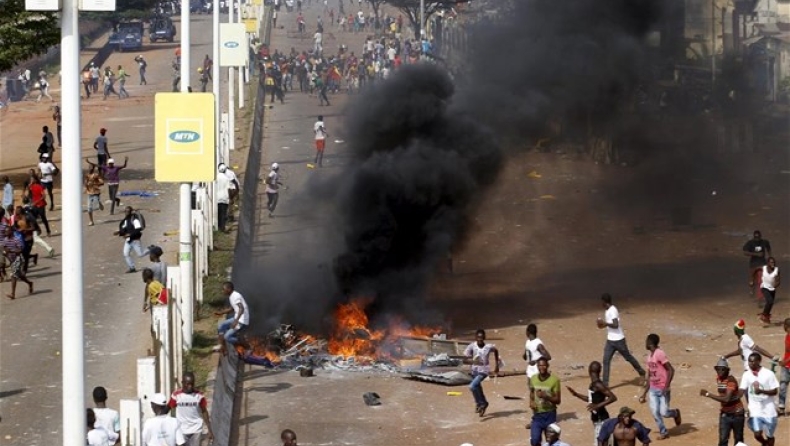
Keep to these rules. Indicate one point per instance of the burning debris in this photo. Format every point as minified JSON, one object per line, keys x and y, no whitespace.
{"x":354,"y":346}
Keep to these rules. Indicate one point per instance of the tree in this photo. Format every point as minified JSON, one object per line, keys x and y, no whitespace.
{"x":411,"y":9}
{"x":24,"y":34}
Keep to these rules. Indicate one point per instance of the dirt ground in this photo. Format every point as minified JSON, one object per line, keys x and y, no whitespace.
{"x":554,"y":233}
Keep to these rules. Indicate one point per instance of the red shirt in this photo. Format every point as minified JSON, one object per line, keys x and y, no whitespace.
{"x":786,"y":359}
{"x":37,"y":196}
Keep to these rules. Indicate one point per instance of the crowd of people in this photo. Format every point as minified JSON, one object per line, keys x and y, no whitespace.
{"x":317,"y":72}
{"x":765,"y":395}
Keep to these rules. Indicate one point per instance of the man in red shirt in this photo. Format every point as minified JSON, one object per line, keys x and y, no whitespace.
{"x":732,"y":416}
{"x":39,"y":201}
{"x":784,"y":374}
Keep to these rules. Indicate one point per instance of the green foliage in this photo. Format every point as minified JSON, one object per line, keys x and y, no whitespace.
{"x":411,"y":9}
{"x":24,"y":34}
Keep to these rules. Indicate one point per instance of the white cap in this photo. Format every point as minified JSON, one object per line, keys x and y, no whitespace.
{"x":159,"y":399}
{"x":222,"y":167}
{"x":275,"y":166}
{"x":110,"y":161}
{"x":554,"y":427}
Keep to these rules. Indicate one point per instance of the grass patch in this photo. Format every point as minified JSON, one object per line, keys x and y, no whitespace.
{"x":220,"y":259}
{"x":199,"y":358}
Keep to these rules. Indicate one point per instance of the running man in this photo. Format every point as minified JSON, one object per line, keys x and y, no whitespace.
{"x":758,"y":250}
{"x":534,"y":350}
{"x":784,"y":374}
{"x":746,"y":345}
{"x":732,"y":416}
{"x":598,"y":397}
{"x":320,"y":140}
{"x":478,"y":354}
{"x":760,"y":387}
{"x":273,"y":189}
{"x":615,"y":339}
{"x":545,"y":394}
{"x":658,"y":385}
{"x":769,"y":282}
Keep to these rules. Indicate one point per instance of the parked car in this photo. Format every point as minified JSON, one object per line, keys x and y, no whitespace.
{"x":161,"y":28}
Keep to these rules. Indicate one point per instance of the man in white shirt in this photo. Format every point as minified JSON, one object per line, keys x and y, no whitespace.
{"x":48,"y":170}
{"x":615,"y":339}
{"x":760,"y":387}
{"x":223,"y":197}
{"x":319,"y":128}
{"x":746,"y":345}
{"x":106,"y":418}
{"x":162,"y":430}
{"x":273,"y":189}
{"x":233,"y":190}
{"x":96,"y":436}
{"x":318,"y":39}
{"x":229,"y":329}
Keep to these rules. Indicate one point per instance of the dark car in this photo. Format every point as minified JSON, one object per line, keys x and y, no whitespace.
{"x":161,"y":28}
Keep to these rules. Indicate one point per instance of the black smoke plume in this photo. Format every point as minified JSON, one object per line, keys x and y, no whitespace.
{"x":572,"y":60}
{"x":419,"y":164}
{"x":425,"y":147}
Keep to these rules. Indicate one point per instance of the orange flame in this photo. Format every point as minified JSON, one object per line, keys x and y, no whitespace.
{"x":353,"y":337}
{"x":260,"y":349}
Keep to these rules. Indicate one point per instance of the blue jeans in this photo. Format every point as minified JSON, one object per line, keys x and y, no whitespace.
{"x":659,"y":407}
{"x":127,"y":251}
{"x":731,"y":422}
{"x":540,"y":421}
{"x":230,"y":334}
{"x":477,"y":388}
{"x":784,"y":379}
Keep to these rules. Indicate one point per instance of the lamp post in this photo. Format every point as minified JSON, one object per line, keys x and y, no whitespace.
{"x":72,"y":350}
{"x":185,"y":200}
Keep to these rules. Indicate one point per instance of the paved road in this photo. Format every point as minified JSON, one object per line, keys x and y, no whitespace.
{"x":293,"y":250}
{"x":116,"y":332}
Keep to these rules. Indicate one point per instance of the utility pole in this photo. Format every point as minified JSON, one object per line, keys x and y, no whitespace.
{"x":713,"y":42}
{"x":185,"y":199}
{"x":72,"y":350}
{"x":423,"y":34}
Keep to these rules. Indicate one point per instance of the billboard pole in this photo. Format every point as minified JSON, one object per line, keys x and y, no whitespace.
{"x":72,"y":350}
{"x":185,"y":203}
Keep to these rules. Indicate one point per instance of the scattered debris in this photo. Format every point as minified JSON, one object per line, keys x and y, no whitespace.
{"x":509,"y":397}
{"x":138,"y":193}
{"x":534,"y":175}
{"x":454,"y":393}
{"x":441,"y":360}
{"x":372,"y":399}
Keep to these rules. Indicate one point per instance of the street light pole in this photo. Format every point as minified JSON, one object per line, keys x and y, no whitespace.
{"x":422,"y":20}
{"x":185,"y":200}
{"x":72,"y":350}
{"x":713,"y":41}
